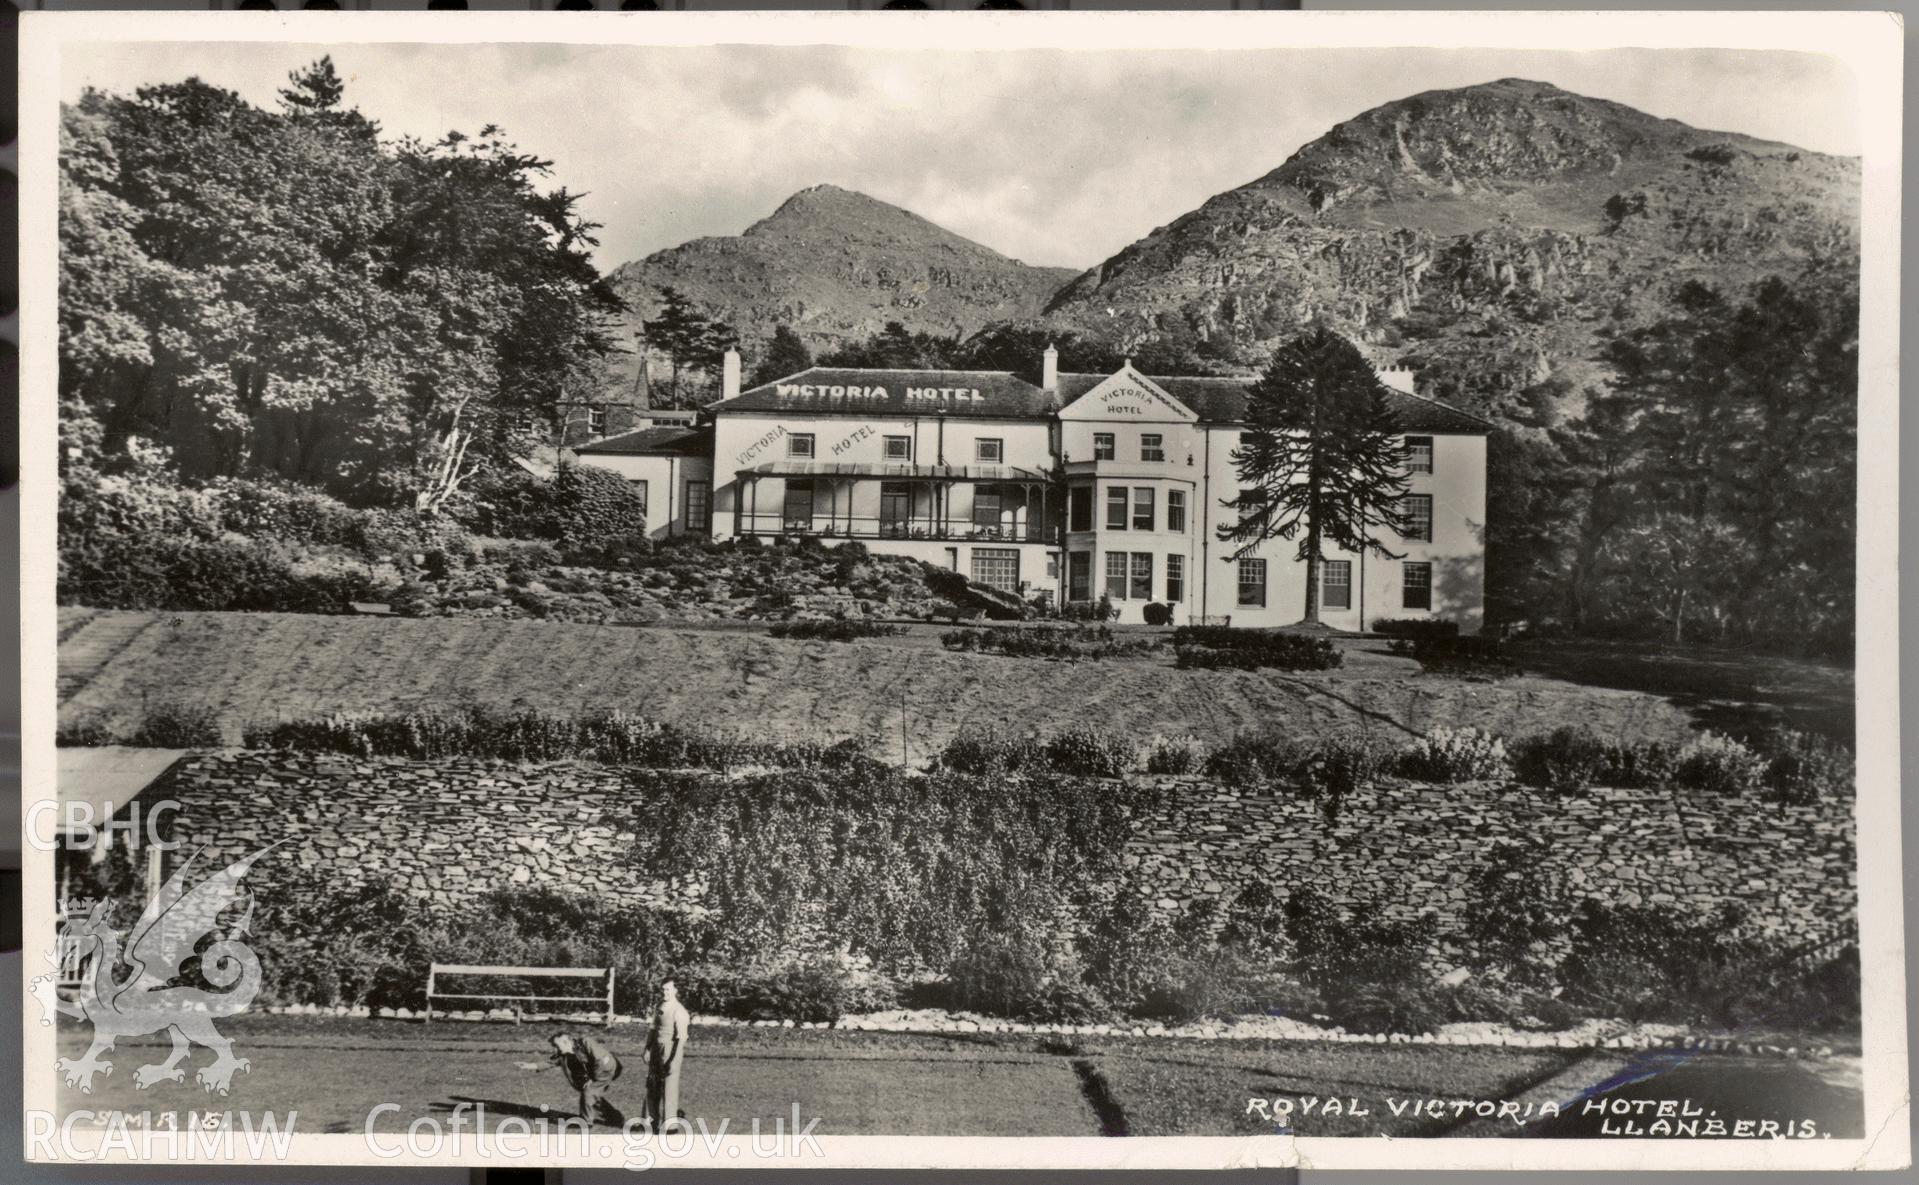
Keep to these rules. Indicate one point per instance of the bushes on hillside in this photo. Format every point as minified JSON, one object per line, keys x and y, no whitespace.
{"x":1048,"y":641}
{"x":579,"y":506}
{"x":1518,"y":910}
{"x":1415,"y":627}
{"x":1655,"y":963}
{"x":143,"y":541}
{"x":1016,"y":890}
{"x":1082,"y":751}
{"x":984,"y":749}
{"x":178,"y":726}
{"x":842,"y":630}
{"x":1209,"y":647}
{"x":1175,"y":755}
{"x":222,"y":574}
{"x":1101,"y":610}
{"x":1645,"y":765}
{"x":1255,"y":757}
{"x":1090,"y":752}
{"x":1447,"y":755}
{"x":1802,"y":768}
{"x":613,"y":737}
{"x":1719,"y":765}
{"x":1568,"y":759}
{"x":904,"y":867}
{"x":817,"y":988}
{"x":371,"y":944}
{"x":1367,"y":968}
{"x":1325,"y":768}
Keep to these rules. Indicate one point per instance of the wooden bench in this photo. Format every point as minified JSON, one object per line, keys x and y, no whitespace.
{"x":435,"y":970}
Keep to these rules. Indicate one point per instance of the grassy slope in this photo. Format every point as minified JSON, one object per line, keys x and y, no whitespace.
{"x":266,"y":666}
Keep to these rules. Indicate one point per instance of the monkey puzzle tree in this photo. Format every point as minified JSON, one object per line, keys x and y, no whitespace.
{"x":1321,"y":457}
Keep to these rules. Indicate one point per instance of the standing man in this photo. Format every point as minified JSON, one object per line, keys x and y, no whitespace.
{"x":665,"y":1050}
{"x":590,"y":1067}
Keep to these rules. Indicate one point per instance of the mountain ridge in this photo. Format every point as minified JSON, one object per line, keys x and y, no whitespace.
{"x":1490,"y":236}
{"x":836,"y":265}
{"x":1493,"y":237}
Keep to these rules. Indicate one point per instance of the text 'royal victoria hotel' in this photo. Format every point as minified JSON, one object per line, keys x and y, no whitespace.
{"x":1085,"y":485}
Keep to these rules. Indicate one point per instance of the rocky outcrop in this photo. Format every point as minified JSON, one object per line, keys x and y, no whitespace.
{"x":1492,"y":237}
{"x":838,"y":265}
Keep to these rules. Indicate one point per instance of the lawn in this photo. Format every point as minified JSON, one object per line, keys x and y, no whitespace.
{"x":334,"y":1071}
{"x":907,"y":694}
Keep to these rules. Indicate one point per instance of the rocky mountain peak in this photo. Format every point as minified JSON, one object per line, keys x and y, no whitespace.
{"x":1493,"y":237}
{"x":1486,"y":138}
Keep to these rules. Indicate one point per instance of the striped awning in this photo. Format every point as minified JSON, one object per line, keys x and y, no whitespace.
{"x":896,"y":472}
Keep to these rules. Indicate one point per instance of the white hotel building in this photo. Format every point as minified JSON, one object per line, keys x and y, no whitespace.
{"x":1083,"y":485}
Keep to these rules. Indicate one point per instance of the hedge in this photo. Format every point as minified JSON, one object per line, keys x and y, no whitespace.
{"x":835,"y":630}
{"x":1416,"y":627}
{"x":612,"y":736}
{"x":1286,"y":652}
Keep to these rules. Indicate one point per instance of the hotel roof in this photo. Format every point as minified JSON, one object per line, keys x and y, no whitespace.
{"x":1223,"y":401}
{"x":979,"y":394}
{"x":644,"y":441}
{"x":1000,"y":394}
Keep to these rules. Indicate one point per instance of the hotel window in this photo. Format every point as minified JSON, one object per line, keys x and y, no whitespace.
{"x":799,"y":444}
{"x":1419,"y":454}
{"x":1052,"y":565}
{"x":1079,"y":508}
{"x":1175,"y":578}
{"x":986,"y":509}
{"x":1176,"y":510}
{"x":1416,"y":587}
{"x":1079,"y":576}
{"x":1336,"y":584}
{"x":699,"y":505}
{"x":799,"y":505}
{"x":638,"y":485}
{"x":989,"y":450}
{"x":997,"y":567}
{"x":1152,"y":447}
{"x":896,"y":509}
{"x":1116,"y":508}
{"x":899,"y":448}
{"x":1419,"y":517}
{"x":596,"y":420}
{"x":1143,"y":509}
{"x":1116,"y":563}
{"x":1102,"y":446}
{"x":1142,"y":589}
{"x":1252,"y":583}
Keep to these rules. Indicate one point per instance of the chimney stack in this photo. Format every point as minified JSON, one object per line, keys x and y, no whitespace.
{"x":730,"y":374}
{"x":1049,"y":370}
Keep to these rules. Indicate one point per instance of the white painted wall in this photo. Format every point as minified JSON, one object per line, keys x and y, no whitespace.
{"x":666,"y":478}
{"x":1457,"y":486}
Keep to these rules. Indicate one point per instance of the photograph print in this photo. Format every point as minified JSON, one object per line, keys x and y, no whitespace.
{"x":821,"y":591}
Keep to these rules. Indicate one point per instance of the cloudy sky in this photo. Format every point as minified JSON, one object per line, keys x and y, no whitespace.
{"x":1053,"y":157}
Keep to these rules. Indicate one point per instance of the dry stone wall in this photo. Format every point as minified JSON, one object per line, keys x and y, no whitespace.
{"x":453,"y":830}
{"x":1414,"y":847}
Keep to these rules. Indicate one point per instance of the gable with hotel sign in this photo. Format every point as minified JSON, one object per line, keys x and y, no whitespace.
{"x":1128,"y":396}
